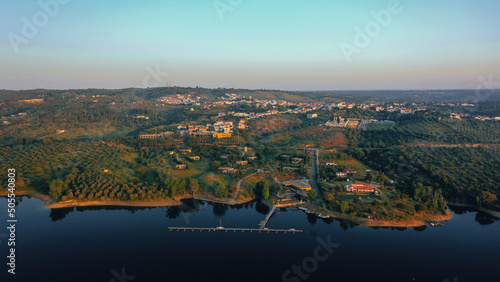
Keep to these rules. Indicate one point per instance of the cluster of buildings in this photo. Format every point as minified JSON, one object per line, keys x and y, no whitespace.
{"x":456,"y":105}
{"x":222,"y":129}
{"x":337,"y":122}
{"x":227,"y":170}
{"x":188,"y":99}
{"x":250,"y":115}
{"x":223,"y":126}
{"x":32,"y":101}
{"x":230,"y":97}
{"x":482,"y":118}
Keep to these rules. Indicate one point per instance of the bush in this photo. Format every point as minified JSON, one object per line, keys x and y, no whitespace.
{"x":420,"y":207}
{"x":401,"y":206}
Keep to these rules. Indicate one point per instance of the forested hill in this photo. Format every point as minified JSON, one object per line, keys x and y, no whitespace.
{"x":132,"y":94}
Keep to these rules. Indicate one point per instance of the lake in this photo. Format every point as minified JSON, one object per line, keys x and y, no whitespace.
{"x":134,"y":244}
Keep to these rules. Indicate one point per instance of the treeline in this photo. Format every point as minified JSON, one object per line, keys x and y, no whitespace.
{"x":426,"y":129}
{"x":467,"y":175}
{"x":89,"y":186}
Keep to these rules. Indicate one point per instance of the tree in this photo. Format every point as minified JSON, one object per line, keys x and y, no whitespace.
{"x":420,"y":207}
{"x":216,"y":165}
{"x":344,"y":207}
{"x":369,"y":177}
{"x":192,"y":185}
{"x":220,"y":190}
{"x":262,"y":189}
{"x":313,"y":195}
{"x":329,"y":197}
{"x":488,"y":198}
{"x":56,"y":188}
{"x":265,"y":191}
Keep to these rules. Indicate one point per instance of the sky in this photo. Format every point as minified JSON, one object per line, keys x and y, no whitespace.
{"x":255,"y":44}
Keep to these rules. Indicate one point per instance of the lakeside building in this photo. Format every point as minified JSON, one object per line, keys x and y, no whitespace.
{"x":299,"y":187}
{"x":32,"y":101}
{"x":155,"y":136}
{"x":359,"y":187}
{"x":227,"y":170}
{"x":341,"y":174}
{"x":337,"y":122}
{"x":221,"y":135}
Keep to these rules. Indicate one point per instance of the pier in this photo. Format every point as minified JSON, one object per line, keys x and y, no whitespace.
{"x":220,"y":228}
{"x":264,"y":222}
{"x":224,"y":229}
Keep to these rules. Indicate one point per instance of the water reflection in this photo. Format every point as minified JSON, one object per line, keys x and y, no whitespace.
{"x":481,"y":217}
{"x":420,"y":228}
{"x":261,"y":208}
{"x":219,"y":210}
{"x":173,"y":212}
{"x":59,"y":214}
{"x":346,"y":224}
{"x":484,"y":218}
{"x":312,"y":218}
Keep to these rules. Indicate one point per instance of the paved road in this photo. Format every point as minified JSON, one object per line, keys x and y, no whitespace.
{"x":314,"y":169}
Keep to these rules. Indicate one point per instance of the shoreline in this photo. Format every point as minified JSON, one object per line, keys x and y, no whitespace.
{"x":490,"y":212}
{"x":50,"y":204}
{"x":419,"y":221}
{"x":145,"y":204}
{"x":416,"y":222}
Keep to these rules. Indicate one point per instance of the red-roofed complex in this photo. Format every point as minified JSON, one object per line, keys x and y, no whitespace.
{"x":359,"y":187}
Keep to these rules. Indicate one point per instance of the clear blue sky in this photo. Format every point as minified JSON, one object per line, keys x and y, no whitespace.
{"x":290,"y":45}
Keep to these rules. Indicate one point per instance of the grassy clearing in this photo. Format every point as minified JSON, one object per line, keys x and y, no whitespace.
{"x":379,"y":126}
{"x":251,"y":181}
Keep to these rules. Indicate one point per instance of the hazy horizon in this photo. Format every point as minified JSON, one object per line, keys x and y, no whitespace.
{"x":255,"y":89}
{"x":297,"y":46}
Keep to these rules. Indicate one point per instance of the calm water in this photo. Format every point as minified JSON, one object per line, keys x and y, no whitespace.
{"x":88,"y":244}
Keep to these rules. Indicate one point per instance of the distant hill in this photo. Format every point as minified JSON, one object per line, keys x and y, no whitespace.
{"x":362,"y":96}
